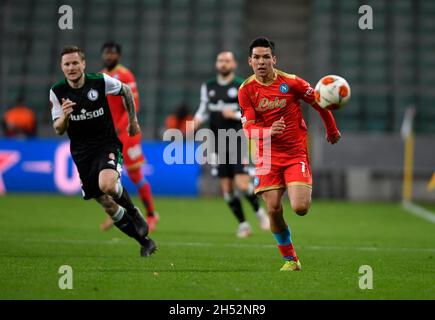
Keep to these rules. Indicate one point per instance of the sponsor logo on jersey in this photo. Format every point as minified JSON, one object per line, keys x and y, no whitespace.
{"x":232,"y":92}
{"x":87,"y":115}
{"x":93,"y":95}
{"x":212,"y":93}
{"x":266,"y":104}
{"x":283,"y":87}
{"x":111,"y":162}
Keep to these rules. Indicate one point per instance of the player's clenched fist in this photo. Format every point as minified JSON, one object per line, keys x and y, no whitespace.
{"x":67,"y":107}
{"x":277,"y":127}
{"x":333,"y":138}
{"x":133,"y":128}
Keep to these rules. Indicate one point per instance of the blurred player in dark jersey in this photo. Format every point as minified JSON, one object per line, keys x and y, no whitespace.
{"x":220,"y":107}
{"x":271,"y":114}
{"x":80,"y":108}
{"x":132,"y":149}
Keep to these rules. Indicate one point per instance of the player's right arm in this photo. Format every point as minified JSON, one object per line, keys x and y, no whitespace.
{"x":251,"y":128}
{"x":202,"y":114}
{"x":60,"y":113}
{"x":306,"y":93}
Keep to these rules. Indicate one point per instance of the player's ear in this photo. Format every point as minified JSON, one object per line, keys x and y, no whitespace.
{"x":250,"y":61}
{"x":274,"y":60}
{"x":84,"y":64}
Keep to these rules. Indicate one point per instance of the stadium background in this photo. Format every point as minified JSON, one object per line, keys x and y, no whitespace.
{"x":171,"y":45}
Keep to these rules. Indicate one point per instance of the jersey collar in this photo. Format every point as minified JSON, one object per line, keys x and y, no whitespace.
{"x":275,"y":75}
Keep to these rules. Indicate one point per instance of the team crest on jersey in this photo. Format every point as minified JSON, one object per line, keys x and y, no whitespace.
{"x":93,"y":95}
{"x":283,"y":87}
{"x":232,"y":92}
{"x":212,"y":93}
{"x":256,"y":181}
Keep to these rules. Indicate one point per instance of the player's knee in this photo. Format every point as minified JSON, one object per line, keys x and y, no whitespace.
{"x":243,"y":186}
{"x":301,"y":209}
{"x":107,"y":187}
{"x":244,"y":189}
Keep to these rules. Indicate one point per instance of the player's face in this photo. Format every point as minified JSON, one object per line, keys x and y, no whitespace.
{"x":262,"y":61}
{"x":73,"y":66}
{"x":110,"y":58}
{"x":225,"y":63}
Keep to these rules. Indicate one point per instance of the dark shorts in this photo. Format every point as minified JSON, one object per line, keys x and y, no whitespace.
{"x":89,"y":170}
{"x":230,"y":170}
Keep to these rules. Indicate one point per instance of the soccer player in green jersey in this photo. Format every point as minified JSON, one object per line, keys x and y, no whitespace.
{"x":79,"y":107}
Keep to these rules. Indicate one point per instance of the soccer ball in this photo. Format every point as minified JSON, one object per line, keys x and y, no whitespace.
{"x":332,"y":92}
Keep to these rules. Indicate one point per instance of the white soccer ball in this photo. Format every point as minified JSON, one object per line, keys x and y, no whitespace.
{"x":332,"y":92}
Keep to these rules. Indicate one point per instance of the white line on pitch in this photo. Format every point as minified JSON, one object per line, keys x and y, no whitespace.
{"x":419,"y":211}
{"x":231,"y":245}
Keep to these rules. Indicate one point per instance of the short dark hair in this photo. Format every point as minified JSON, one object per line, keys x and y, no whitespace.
{"x":262,"y":42}
{"x":112,"y":45}
{"x":72,"y":49}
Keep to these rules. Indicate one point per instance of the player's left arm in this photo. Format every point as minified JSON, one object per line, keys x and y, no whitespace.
{"x":128,"y":99}
{"x":116,"y":87}
{"x":306,"y":93}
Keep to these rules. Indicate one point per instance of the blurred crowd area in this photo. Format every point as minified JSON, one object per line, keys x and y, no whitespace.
{"x":171,"y":45}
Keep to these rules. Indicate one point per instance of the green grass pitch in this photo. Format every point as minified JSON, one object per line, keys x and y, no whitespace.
{"x":199,"y":256}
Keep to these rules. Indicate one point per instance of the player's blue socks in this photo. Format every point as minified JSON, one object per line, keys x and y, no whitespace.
{"x":285,"y":245}
{"x":283,"y":238}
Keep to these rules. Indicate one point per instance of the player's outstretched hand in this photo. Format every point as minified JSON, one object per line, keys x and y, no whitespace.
{"x":67,"y":107}
{"x":334,"y":138}
{"x":277,"y":127}
{"x":133,"y":128}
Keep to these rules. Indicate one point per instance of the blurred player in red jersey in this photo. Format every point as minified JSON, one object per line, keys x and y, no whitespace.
{"x":271,"y":114}
{"x":132,"y":149}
